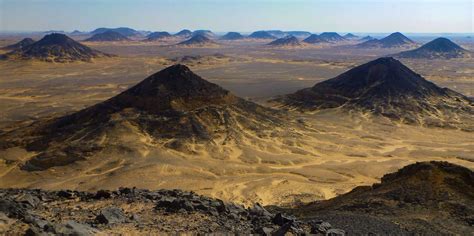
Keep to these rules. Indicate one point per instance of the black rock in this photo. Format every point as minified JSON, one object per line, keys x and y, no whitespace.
{"x":12,"y":208}
{"x":105,"y":194}
{"x":111,"y":215}
{"x":64,"y":194}
{"x":266,"y":231}
{"x":259,"y":210}
{"x":283,"y":229}
{"x":336,"y":232}
{"x":280,"y":219}
{"x":30,"y":200}
{"x":322,"y":227}
{"x":74,"y":228}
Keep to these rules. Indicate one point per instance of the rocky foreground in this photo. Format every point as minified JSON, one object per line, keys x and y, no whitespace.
{"x":135,"y":211}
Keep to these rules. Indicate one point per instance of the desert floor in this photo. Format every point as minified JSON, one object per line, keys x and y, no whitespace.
{"x":332,"y":154}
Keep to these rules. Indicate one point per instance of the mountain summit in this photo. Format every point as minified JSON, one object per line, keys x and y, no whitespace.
{"x":385,"y":87}
{"x":175,"y":88}
{"x":438,"y":48}
{"x":56,"y":48}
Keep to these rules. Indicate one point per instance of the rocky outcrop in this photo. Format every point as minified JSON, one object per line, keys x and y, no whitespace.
{"x":138,"y":211}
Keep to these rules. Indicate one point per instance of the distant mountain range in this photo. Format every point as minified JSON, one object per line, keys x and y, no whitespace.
{"x":158,"y":36}
{"x":331,"y":37}
{"x":367,"y":38}
{"x":125,"y":31}
{"x":205,"y":33}
{"x":315,"y":39}
{"x":440,"y":48}
{"x":198,"y":40}
{"x":261,"y":35}
{"x":56,"y":48}
{"x":107,"y":36}
{"x":184,"y":33}
{"x":350,"y":36}
{"x":232,"y":36}
{"x":394,"y":40}
{"x":288,"y":41}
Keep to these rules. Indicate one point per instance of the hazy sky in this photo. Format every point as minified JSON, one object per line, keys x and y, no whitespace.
{"x":431,"y":16}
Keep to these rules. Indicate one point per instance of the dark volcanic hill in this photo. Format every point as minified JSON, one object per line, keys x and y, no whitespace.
{"x":299,"y":34}
{"x":261,"y":35}
{"x":56,"y":48}
{"x":387,"y":87}
{"x":23,"y":43}
{"x":107,"y":36}
{"x":350,"y":36}
{"x":367,"y":38}
{"x":184,"y":33}
{"x":199,"y":41}
{"x":205,"y":33}
{"x":158,"y":36}
{"x":331,"y":37}
{"x":288,"y":41}
{"x":277,"y":33}
{"x":428,"y":198}
{"x":127,"y":32}
{"x":173,"y":107}
{"x":232,"y":36}
{"x":439,"y":48}
{"x":394,"y":40}
{"x":314,"y":39}
{"x":77,"y":32}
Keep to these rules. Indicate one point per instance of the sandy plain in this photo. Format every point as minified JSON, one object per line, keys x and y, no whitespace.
{"x":331,"y":153}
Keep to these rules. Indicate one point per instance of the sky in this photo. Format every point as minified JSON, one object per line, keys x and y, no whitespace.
{"x":409,"y":16}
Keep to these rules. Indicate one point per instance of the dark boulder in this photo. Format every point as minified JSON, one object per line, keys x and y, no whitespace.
{"x":105,"y":194}
{"x":111,"y":215}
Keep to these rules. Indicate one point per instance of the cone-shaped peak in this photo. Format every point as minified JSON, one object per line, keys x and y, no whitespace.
{"x":55,"y":38}
{"x":176,"y":88}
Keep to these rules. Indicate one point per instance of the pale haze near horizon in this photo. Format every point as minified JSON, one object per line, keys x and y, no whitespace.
{"x":417,"y":16}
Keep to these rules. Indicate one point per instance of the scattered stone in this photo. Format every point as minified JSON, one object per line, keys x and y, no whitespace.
{"x":335,"y":232}
{"x":74,"y":228}
{"x":280,"y":219}
{"x":64,"y":194}
{"x":267,"y":231}
{"x":320,"y":227}
{"x":111,"y":215}
{"x":175,"y":207}
{"x":29,"y":199}
{"x":102,"y":194}
{"x":283,"y":229}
